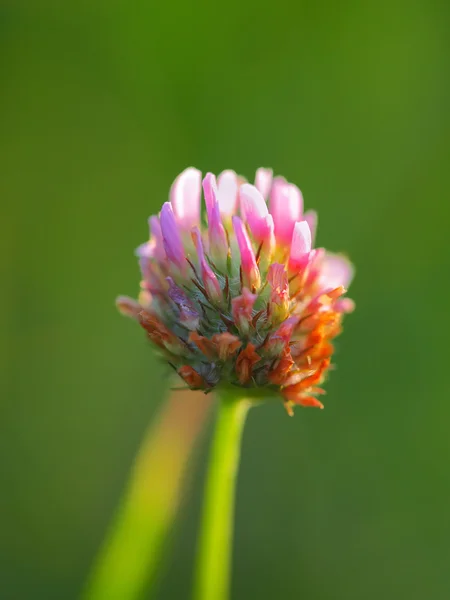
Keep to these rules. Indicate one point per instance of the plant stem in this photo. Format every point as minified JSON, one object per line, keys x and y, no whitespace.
{"x":216,"y":536}
{"x":129,"y":563}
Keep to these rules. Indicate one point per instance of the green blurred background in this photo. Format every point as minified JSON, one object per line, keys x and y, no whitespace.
{"x":102,"y":104}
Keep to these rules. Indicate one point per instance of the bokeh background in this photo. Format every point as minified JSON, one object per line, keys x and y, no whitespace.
{"x":101,"y":105}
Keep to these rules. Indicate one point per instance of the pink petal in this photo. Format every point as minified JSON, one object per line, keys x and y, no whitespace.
{"x":278,"y":281}
{"x":242,"y":306}
{"x":345,"y":305}
{"x":144,"y":250}
{"x":278,"y":340}
{"x":254,"y":211}
{"x":227,"y":193}
{"x":336,"y":270}
{"x":263,"y":181}
{"x":250,"y":269}
{"x":185,"y":198}
{"x":242,"y":309}
{"x":171,"y":237}
{"x":286,"y":207}
{"x":284,"y":332}
{"x":145,"y":253}
{"x":128,"y":306}
{"x":210,"y":280}
{"x":311,"y":218}
{"x":279,"y":294}
{"x":145,"y":299}
{"x":218,"y":243}
{"x":300,"y":246}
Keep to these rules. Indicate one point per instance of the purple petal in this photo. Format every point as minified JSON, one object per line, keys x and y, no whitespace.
{"x":171,"y":237}
{"x":210,"y":280}
{"x":157,"y":239}
{"x":189,"y":316}
{"x":145,"y":253}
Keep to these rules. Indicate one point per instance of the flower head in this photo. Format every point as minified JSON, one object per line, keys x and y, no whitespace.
{"x":244,"y":299}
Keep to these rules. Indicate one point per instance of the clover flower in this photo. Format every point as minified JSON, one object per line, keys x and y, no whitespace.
{"x":242,"y":298}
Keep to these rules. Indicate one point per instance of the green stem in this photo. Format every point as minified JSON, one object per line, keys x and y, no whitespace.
{"x":216,"y":535}
{"x":129,"y":563}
